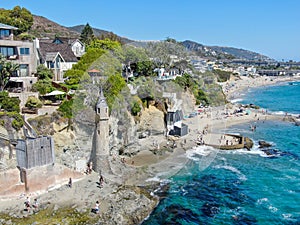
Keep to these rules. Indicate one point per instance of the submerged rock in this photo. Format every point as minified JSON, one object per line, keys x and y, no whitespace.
{"x":264,"y":144}
{"x":271,"y":152}
{"x":210,"y":209}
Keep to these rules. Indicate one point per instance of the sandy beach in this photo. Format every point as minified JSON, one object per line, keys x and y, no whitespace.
{"x":146,"y":168}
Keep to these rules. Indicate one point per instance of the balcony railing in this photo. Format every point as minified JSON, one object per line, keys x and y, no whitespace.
{"x":10,"y":37}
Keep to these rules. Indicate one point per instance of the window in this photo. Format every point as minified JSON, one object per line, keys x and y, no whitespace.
{"x":8,"y":51}
{"x":4,"y":33}
{"x":57,"y":41}
{"x":24,"y":70}
{"x":24,"y":51}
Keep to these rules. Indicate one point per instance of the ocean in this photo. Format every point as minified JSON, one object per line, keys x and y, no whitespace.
{"x":241,"y":187}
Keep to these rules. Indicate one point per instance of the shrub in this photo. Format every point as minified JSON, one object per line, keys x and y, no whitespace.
{"x":17,"y":121}
{"x":136,"y":108}
{"x":33,"y":103}
{"x":9,"y":104}
{"x":66,"y":108}
{"x":43,"y":86}
{"x":222,"y":75}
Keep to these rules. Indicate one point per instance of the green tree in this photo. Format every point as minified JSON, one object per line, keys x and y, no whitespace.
{"x":113,"y":87}
{"x":7,"y":68}
{"x":18,"y":17}
{"x":9,"y":104}
{"x":201,"y":97}
{"x":106,"y":44}
{"x":133,"y":55}
{"x":145,"y":68}
{"x":66,"y":109}
{"x":111,"y":36}
{"x":43,"y":86}
{"x":87,"y":34}
{"x":185,"y":81}
{"x":75,"y":75}
{"x":44,"y":73}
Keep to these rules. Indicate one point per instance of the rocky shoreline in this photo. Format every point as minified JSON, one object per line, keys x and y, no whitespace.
{"x":132,"y":191}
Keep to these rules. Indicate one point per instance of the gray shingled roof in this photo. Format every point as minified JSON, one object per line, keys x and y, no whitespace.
{"x":5,"y":26}
{"x":50,"y":56}
{"x":65,"y":50}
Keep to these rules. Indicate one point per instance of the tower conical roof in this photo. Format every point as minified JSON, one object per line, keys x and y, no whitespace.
{"x":101,"y":100}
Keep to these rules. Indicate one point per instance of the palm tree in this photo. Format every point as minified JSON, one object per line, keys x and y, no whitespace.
{"x":7,"y":68}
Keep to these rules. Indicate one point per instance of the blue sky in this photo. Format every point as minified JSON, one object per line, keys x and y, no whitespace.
{"x":270,"y":27}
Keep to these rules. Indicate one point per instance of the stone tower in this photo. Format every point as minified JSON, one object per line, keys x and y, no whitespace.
{"x":100,"y":149}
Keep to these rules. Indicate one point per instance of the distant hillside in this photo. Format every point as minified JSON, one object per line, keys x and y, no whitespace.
{"x":97,"y":32}
{"x":241,"y":53}
{"x":223,"y":52}
{"x":45,"y":28}
{"x":202,"y":50}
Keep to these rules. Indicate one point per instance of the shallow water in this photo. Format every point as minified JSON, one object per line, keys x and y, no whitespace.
{"x":280,"y":99}
{"x":241,"y":187}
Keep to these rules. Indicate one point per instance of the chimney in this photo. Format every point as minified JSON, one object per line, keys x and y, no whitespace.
{"x":36,"y":43}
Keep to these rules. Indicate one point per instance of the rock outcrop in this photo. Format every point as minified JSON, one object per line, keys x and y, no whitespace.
{"x":264,"y":144}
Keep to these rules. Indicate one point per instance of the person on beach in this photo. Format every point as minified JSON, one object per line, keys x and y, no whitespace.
{"x":89,"y":168}
{"x":27,"y":204}
{"x":101,"y":180}
{"x":35,"y":204}
{"x":96,"y":208}
{"x":70,"y":183}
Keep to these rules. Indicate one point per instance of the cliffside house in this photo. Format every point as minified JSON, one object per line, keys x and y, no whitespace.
{"x":22,"y":53}
{"x":59,"y":54}
{"x":163,"y":74}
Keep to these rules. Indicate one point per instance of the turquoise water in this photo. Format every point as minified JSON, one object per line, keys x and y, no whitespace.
{"x":280,"y":98}
{"x":241,"y":187}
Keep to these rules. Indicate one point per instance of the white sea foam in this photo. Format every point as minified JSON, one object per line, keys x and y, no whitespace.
{"x":279,"y":113}
{"x":153,"y":179}
{"x":245,"y":151}
{"x":262,"y":200}
{"x":236,"y":100}
{"x":233,"y":169}
{"x":287,"y":216}
{"x":202,"y":154}
{"x":195,"y":152}
{"x":158,"y":178}
{"x":273,"y":209}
